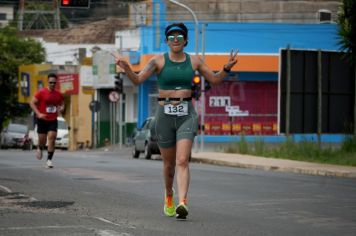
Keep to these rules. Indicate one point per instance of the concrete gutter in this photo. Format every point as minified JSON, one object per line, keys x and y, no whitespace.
{"x":274,"y":164}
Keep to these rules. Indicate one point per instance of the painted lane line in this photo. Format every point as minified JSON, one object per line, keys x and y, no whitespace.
{"x":32,"y":199}
{"x":98,"y":231}
{"x":111,"y":233}
{"x":6,"y":189}
{"x":44,"y":227}
{"x":107,"y":221}
{"x":110,"y":222}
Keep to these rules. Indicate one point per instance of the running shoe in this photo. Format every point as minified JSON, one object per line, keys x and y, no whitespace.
{"x":182,"y":211}
{"x":49,"y":164}
{"x":39,"y":154}
{"x":169,"y":207}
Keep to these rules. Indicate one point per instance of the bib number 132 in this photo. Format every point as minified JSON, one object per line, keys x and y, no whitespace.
{"x":179,"y":110}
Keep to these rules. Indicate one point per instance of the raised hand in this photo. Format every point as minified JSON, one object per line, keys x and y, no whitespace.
{"x":232,"y":59}
{"x":120,"y":61}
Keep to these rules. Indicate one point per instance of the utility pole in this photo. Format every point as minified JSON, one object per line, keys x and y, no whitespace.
{"x":202,"y":115}
{"x":288,"y":89}
{"x":120,"y":103}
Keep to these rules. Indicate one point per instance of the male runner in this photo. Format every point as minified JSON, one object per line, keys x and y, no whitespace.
{"x":47,"y":103}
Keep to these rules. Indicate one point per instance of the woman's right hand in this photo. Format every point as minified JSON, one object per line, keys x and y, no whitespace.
{"x":120,"y":61}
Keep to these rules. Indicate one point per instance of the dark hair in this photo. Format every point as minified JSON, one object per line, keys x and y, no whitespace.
{"x":177,"y":27}
{"x":52,"y":75}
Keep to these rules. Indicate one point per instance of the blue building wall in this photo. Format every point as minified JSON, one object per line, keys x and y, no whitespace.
{"x":254,"y":38}
{"x":248,"y":38}
{"x":269,"y":37}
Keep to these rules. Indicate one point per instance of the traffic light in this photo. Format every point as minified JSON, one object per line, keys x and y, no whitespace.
{"x":118,"y":83}
{"x":196,"y":87}
{"x":75,"y":3}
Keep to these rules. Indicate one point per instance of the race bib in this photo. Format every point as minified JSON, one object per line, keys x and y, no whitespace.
{"x":51,"y":109}
{"x":177,"y":110}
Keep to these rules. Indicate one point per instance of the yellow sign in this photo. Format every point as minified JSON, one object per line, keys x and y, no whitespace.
{"x":88,"y":90}
{"x":31,"y":79}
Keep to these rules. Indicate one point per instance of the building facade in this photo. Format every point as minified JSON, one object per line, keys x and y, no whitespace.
{"x":247,"y":101}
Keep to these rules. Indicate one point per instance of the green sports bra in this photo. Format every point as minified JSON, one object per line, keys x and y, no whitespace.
{"x":176,"y":75}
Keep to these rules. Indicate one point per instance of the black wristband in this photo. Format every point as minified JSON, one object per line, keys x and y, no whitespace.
{"x":226,"y":70}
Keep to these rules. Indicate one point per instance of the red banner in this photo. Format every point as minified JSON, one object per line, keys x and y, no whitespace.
{"x":247,"y":107}
{"x":68,"y":84}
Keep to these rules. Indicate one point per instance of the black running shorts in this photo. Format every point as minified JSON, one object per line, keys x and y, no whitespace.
{"x":44,"y":126}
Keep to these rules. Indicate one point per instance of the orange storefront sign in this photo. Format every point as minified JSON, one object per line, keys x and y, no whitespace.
{"x":246,"y":63}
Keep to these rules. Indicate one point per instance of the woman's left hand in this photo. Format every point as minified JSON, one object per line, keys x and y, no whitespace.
{"x":232,"y":59}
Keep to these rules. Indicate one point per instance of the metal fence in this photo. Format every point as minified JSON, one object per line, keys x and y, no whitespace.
{"x":317,"y":92}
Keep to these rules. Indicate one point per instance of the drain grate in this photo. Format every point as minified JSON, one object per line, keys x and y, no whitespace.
{"x":46,"y":204}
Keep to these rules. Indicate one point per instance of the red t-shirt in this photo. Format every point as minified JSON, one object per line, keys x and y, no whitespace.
{"x":48,"y":102}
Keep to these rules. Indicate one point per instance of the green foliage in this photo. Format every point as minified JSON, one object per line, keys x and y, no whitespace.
{"x":259,"y":147}
{"x":15,"y":51}
{"x":349,"y":144}
{"x":243,"y":145}
{"x":347,"y":28}
{"x":302,"y":151}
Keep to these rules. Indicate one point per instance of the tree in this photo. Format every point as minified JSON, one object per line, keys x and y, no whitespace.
{"x":347,"y":28}
{"x":15,"y":51}
{"x":347,"y":33}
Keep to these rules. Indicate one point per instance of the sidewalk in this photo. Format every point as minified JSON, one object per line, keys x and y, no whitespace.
{"x":282,"y":165}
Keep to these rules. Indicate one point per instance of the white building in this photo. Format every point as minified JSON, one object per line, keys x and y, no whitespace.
{"x":6,"y":15}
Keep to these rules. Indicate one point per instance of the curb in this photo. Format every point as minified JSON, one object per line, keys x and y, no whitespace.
{"x":296,"y":170}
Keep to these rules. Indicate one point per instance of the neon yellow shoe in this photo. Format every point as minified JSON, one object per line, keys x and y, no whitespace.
{"x":182,"y":211}
{"x":169,"y":208}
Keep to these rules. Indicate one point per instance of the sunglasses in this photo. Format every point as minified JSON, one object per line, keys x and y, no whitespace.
{"x":52,"y":82}
{"x":179,"y":38}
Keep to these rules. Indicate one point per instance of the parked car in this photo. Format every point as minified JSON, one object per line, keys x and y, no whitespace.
{"x":144,"y":142}
{"x":16,"y":136}
{"x":62,"y":140}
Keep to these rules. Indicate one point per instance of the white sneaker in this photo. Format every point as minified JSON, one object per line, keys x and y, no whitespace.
{"x":49,"y":164}
{"x":39,"y":154}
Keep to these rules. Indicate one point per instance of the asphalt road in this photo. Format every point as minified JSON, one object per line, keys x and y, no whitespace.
{"x":110,"y":193}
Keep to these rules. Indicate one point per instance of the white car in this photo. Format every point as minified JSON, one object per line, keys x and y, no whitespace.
{"x":62,"y":140}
